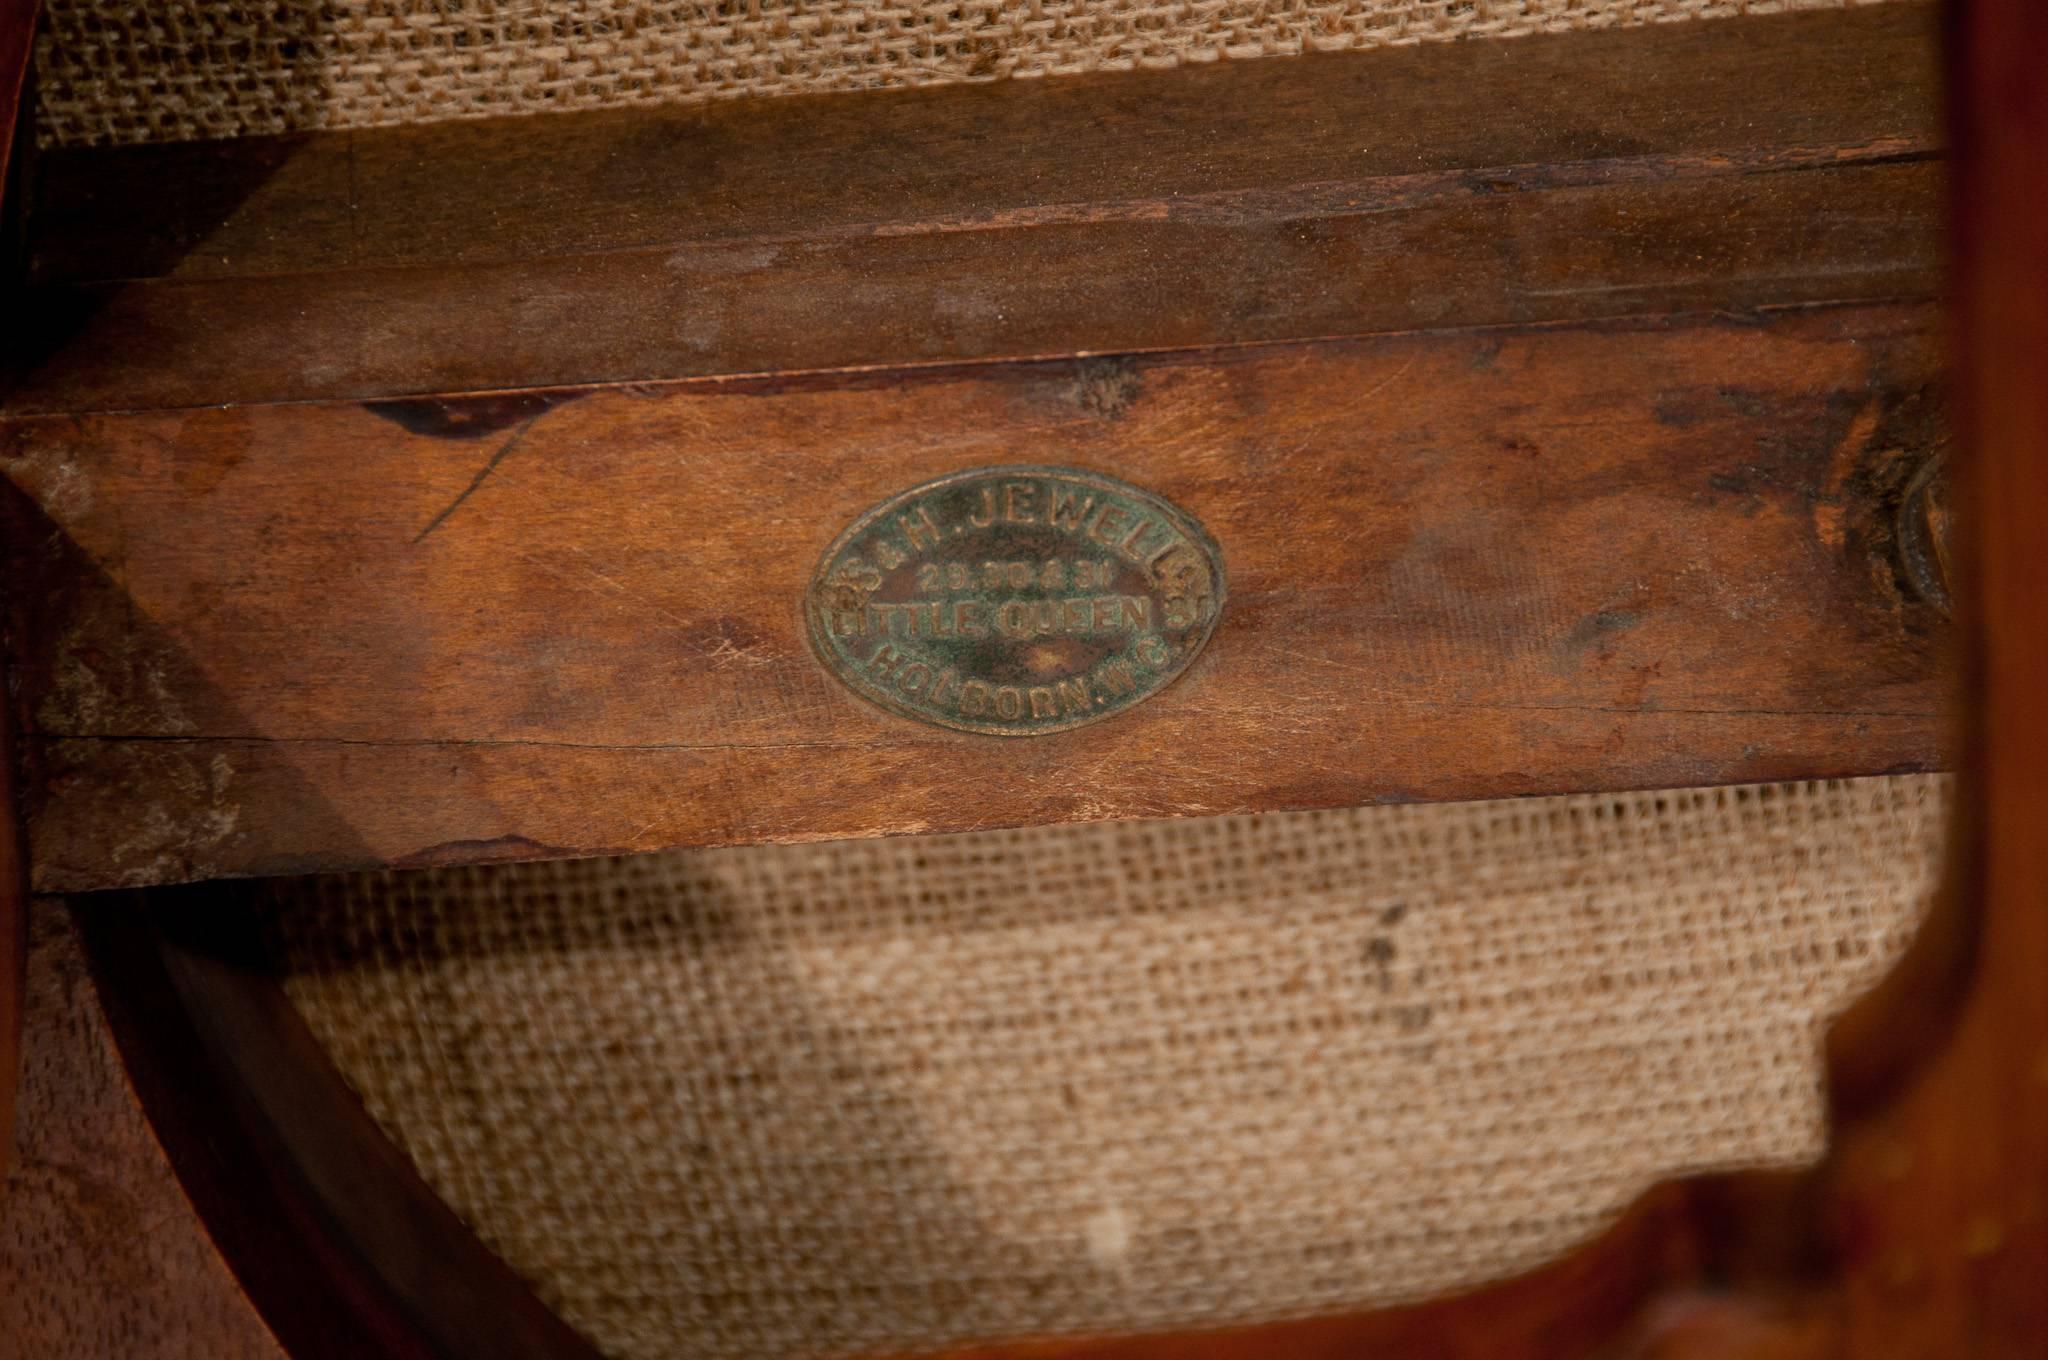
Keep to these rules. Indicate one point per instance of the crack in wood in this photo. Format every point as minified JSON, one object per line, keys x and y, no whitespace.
{"x":483,"y":473}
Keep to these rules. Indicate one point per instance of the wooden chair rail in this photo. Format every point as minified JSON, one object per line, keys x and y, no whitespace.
{"x":1669,"y":168}
{"x":1554,"y":442}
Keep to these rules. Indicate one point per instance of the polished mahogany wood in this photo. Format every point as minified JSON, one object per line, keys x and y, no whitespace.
{"x":342,"y":1247}
{"x":17,"y":31}
{"x":17,"y":39}
{"x":101,"y":1254}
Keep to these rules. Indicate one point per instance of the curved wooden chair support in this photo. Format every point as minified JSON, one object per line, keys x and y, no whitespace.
{"x":17,"y":31}
{"x":340,"y":1245}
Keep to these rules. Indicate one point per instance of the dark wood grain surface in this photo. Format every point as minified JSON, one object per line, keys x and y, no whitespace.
{"x":1673,"y":167}
{"x":1370,"y":131}
{"x":17,"y":31}
{"x":1729,"y":243}
{"x":1460,"y":565}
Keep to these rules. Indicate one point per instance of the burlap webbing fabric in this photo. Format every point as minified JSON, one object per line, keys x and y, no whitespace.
{"x":821,"y":1099}
{"x":171,"y":70}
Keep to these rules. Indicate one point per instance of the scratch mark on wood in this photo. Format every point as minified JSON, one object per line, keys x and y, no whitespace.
{"x":1387,"y":381}
{"x":490,"y":466}
{"x":623,"y":595}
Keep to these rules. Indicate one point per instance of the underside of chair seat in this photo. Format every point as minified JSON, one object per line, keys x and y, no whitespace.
{"x":419,"y":511}
{"x":886,"y":1096}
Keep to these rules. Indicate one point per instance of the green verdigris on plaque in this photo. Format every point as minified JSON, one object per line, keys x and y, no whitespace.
{"x":1015,"y":601}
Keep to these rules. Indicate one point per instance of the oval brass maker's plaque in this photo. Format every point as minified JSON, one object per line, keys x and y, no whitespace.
{"x":1015,"y":600}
